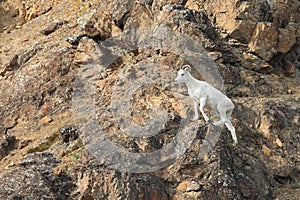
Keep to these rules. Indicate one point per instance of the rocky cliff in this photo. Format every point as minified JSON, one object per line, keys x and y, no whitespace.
{"x":89,"y":107}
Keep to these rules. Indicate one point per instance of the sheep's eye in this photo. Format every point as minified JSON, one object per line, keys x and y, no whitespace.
{"x":182,"y":74}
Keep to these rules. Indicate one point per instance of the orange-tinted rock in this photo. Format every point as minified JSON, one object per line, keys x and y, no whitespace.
{"x":37,"y":69}
{"x":279,"y":142}
{"x":243,"y":30}
{"x":266,"y":150}
{"x":178,"y":197}
{"x":187,"y":186}
{"x":286,"y":40}
{"x":264,"y":40}
{"x":100,"y":25}
{"x":253,"y":62}
{"x":7,"y":144}
{"x":46,"y":120}
{"x":289,"y":69}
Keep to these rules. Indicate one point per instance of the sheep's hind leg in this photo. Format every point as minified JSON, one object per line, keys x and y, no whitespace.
{"x":225,"y":120}
{"x":220,"y":122}
{"x":231,"y":128}
{"x":223,"y":117}
{"x":196,"y":116}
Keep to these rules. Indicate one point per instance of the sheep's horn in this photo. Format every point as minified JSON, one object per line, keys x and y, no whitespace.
{"x":186,"y":67}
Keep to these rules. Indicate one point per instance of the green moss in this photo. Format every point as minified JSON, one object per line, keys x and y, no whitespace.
{"x":75,"y":156}
{"x":45,"y":145}
{"x":78,"y":145}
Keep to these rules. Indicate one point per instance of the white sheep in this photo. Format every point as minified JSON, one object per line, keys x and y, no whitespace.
{"x":202,"y":92}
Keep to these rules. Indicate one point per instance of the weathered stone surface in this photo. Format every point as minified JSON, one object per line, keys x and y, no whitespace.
{"x":243,"y":30}
{"x":9,"y":65}
{"x":35,"y":171}
{"x":46,"y":120}
{"x":289,"y":69}
{"x":68,"y":133}
{"x":287,"y":39}
{"x":264,"y":40}
{"x":7,"y":143}
{"x":254,"y":44}
{"x":262,"y":25}
{"x":50,"y":28}
{"x":34,"y":9}
{"x":233,"y":16}
{"x":100,"y":25}
{"x":273,"y":122}
{"x":107,"y":184}
{"x":253,"y":62}
{"x":187,"y":186}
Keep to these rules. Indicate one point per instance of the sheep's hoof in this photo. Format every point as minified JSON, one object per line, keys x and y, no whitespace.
{"x":209,"y":122}
{"x":195,"y":119}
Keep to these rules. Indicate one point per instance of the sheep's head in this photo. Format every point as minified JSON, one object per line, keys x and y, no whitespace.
{"x":183,"y":73}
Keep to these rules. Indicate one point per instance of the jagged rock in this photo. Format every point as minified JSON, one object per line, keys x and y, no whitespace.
{"x":289,"y":69}
{"x":74,"y":40}
{"x":7,"y":143}
{"x":286,"y":40}
{"x":11,"y":65}
{"x":268,"y":27}
{"x":35,"y":170}
{"x":232,"y":16}
{"x":10,"y":121}
{"x":266,"y":150}
{"x":50,"y":28}
{"x":45,"y":120}
{"x":253,"y":62}
{"x":120,"y":11}
{"x":271,"y":122}
{"x":68,"y":133}
{"x":33,"y":9}
{"x":106,"y":184}
{"x":100,"y":25}
{"x":243,"y":30}
{"x":81,"y":58}
{"x":187,"y":186}
{"x":134,"y":92}
{"x":264,"y":40}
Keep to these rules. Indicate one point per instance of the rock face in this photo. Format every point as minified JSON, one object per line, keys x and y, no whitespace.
{"x":260,"y":25}
{"x":35,"y":170}
{"x":7,"y":144}
{"x":89,"y":107}
{"x":264,"y":48}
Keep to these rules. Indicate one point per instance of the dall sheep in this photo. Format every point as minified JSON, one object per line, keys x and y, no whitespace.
{"x":202,"y":92}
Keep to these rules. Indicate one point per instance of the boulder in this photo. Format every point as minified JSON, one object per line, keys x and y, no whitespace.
{"x":286,"y":40}
{"x":264,"y":40}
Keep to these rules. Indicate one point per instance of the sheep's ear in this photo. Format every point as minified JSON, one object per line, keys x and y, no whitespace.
{"x":186,"y":68}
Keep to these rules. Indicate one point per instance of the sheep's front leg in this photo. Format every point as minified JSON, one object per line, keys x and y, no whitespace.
{"x":202,"y":104}
{"x":196,"y":105}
